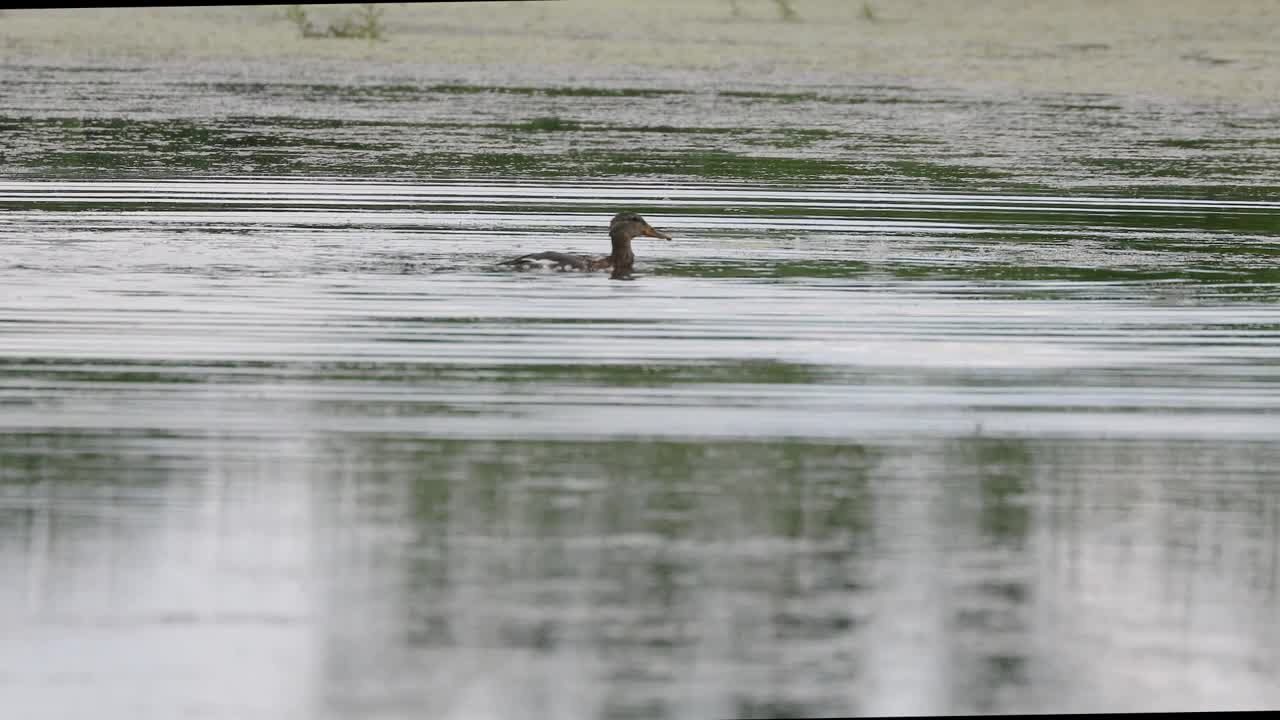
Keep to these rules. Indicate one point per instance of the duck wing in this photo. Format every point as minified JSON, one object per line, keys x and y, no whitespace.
{"x":549,"y":261}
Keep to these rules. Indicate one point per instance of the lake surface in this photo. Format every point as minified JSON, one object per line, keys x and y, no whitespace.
{"x":934,"y":403}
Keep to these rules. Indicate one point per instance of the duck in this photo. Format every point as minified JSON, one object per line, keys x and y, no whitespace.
{"x":623,"y":227}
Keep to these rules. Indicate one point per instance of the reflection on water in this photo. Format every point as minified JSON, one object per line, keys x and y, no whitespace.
{"x":383,"y":577}
{"x":292,"y":447}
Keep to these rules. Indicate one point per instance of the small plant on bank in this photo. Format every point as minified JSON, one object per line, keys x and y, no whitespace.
{"x":366,"y":23}
{"x":787,"y":12}
{"x":298,"y":17}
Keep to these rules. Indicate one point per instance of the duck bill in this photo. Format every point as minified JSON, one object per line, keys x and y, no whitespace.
{"x":651,"y":232}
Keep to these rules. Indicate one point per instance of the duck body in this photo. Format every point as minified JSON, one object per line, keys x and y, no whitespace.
{"x":559,"y":261}
{"x":624,"y":227}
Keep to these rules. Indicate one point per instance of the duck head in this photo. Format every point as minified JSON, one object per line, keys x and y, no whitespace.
{"x":627,"y":225}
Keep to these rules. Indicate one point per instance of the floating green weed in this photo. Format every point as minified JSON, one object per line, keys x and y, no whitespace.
{"x":459,"y":89}
{"x":944,"y":173}
{"x":779,"y":97}
{"x":546,"y":124}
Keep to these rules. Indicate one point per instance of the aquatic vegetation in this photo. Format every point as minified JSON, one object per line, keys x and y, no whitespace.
{"x":366,"y":23}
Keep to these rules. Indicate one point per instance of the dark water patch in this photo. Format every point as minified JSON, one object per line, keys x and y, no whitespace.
{"x":354,"y":92}
{"x":718,"y":164}
{"x":560,"y":124}
{"x":946,"y":174}
{"x":583,"y":92}
{"x":1210,"y":143}
{"x":1083,"y":108}
{"x":545,"y":124}
{"x":1259,"y":284}
{"x":70,"y":69}
{"x":759,"y":371}
{"x":769,"y":270}
{"x":774,"y":96}
{"x":841,"y":98}
{"x":674,"y":130}
{"x":1135,"y":165}
{"x":44,"y":371}
{"x":1207,"y":59}
{"x":1085,"y":46}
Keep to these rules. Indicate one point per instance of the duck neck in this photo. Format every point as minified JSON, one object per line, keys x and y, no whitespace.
{"x":622,"y":255}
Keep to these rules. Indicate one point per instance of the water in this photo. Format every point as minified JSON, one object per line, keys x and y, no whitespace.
{"x":914,"y":414}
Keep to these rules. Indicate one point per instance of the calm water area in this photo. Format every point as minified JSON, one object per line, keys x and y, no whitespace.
{"x":937,"y":402}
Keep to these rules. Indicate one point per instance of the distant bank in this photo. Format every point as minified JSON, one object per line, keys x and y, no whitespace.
{"x":1176,"y":49}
